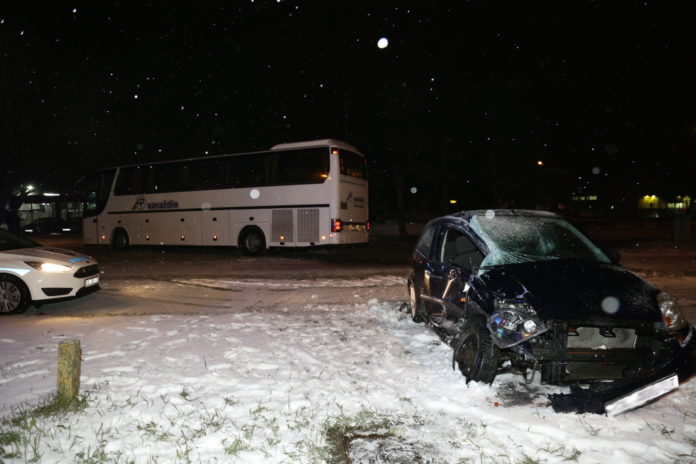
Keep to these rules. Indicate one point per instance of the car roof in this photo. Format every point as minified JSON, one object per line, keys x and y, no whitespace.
{"x":466,"y":216}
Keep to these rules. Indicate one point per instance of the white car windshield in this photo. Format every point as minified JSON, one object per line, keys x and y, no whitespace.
{"x":10,"y":241}
{"x":522,"y":239}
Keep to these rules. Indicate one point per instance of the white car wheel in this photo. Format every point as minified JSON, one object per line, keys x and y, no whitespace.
{"x":14,"y":296}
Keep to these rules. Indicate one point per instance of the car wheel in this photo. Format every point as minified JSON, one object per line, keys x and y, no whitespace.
{"x":476,"y":354}
{"x":252,"y":242}
{"x":414,"y":304}
{"x":120,"y":240}
{"x":14,"y":295}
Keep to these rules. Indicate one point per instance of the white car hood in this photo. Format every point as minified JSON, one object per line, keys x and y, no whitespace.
{"x":54,"y":254}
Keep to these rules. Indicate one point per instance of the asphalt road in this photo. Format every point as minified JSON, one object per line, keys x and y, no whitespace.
{"x":146,"y":280}
{"x":186,"y":280}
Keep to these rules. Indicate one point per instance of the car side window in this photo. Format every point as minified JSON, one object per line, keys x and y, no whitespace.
{"x":425,"y":241}
{"x":457,"y":249}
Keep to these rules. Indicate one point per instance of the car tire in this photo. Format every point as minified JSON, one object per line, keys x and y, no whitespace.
{"x":414,"y":304}
{"x":14,"y":295}
{"x":476,"y":354}
{"x":252,"y":242}
{"x":120,"y":240}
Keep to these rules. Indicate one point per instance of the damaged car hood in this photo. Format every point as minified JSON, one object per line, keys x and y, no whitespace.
{"x":574,"y":289}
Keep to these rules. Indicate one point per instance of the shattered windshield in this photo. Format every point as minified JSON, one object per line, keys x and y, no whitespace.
{"x":523,"y":239}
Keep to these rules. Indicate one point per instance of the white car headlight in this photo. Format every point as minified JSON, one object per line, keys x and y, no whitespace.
{"x":48,"y":267}
{"x":672,"y":317}
{"x":514,"y":322}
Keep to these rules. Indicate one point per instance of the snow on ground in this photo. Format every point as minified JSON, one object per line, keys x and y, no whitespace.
{"x":273,"y":386}
{"x":284,"y":284}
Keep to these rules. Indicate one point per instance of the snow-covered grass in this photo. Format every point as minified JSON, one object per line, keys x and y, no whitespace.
{"x":317,"y":383}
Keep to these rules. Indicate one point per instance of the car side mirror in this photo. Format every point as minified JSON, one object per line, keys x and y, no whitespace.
{"x":454,"y":272}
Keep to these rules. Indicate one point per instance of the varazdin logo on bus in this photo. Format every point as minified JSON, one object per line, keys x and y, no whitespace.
{"x":354,"y":200}
{"x":140,"y":204}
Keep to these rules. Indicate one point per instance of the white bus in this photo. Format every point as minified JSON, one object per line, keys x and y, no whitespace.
{"x":294,"y":195}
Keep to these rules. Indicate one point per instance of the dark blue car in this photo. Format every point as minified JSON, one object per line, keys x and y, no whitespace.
{"x":525,"y":291}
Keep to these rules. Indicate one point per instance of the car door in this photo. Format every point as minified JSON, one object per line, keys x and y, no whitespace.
{"x":454,"y":260}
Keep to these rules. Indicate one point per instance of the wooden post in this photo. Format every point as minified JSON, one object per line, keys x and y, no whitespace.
{"x":69,"y":357}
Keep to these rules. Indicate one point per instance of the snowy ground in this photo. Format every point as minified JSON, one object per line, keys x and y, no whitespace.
{"x":276,"y":386}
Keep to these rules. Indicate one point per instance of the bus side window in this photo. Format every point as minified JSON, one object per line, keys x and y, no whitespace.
{"x":303,"y":167}
{"x":130,"y":181}
{"x":165,"y":177}
{"x":238,"y":172}
{"x":351,"y":164}
{"x":204,"y":175}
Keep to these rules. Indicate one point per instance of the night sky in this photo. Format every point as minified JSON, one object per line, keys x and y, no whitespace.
{"x":463,"y":103}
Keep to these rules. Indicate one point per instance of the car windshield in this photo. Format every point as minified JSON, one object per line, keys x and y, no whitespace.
{"x":9,"y":241}
{"x":523,"y":239}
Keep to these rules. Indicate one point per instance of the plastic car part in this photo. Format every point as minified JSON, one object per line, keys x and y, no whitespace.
{"x":616,"y":397}
{"x":625,"y":394}
{"x":476,"y":354}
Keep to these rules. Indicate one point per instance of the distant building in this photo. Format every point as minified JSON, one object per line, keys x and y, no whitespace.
{"x":36,"y":205}
{"x":658,"y":206}
{"x":637,"y":206}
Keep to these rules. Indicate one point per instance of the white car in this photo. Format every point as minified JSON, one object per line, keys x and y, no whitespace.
{"x":33,"y":274}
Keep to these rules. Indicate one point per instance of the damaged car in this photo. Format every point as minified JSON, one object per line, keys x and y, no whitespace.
{"x":527,"y":292}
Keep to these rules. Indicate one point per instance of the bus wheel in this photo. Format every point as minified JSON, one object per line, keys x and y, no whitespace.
{"x":120,"y":240}
{"x":14,"y":295}
{"x":252,"y":242}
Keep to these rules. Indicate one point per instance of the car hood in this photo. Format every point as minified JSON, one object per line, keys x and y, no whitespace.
{"x":575,"y":289}
{"x":53,"y":254}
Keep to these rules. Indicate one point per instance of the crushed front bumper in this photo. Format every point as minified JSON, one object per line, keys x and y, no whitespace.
{"x":626,"y":394}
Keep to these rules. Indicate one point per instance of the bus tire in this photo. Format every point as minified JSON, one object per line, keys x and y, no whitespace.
{"x":119,"y":240}
{"x":252,"y":241}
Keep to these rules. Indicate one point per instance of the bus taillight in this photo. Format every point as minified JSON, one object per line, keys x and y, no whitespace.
{"x":368,"y":226}
{"x":336,"y":225}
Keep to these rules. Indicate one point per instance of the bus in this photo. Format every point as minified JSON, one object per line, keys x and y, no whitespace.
{"x":298,"y":194}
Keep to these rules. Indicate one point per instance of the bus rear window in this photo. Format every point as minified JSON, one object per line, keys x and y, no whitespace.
{"x":352,"y":164}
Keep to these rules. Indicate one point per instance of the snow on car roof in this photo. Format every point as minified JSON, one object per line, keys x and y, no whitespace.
{"x":504,"y":212}
{"x":315,"y":143}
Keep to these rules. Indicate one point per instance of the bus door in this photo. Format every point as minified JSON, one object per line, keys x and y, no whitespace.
{"x":94,"y":190}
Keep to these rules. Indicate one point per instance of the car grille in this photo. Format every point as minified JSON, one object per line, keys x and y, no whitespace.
{"x":87,"y":271}
{"x":54,"y":291}
{"x":577,"y":351}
